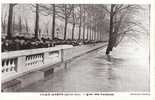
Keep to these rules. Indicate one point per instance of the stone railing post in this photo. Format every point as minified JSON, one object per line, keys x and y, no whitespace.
{"x":21,"y":64}
{"x":46,"y":58}
{"x":62,"y":55}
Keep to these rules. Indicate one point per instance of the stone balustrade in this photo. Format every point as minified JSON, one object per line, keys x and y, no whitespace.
{"x":17,"y":63}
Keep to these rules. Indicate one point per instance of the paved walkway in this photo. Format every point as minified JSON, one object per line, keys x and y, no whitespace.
{"x":127,"y":70}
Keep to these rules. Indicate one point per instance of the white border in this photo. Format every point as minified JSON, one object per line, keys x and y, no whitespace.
{"x":118,"y":95}
{"x":81,"y":1}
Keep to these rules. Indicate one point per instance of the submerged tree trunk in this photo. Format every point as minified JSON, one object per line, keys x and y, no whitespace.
{"x":53,"y":22}
{"x":111,"y":35}
{"x":37,"y":21}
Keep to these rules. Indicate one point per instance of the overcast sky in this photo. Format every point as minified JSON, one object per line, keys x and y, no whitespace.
{"x":27,"y":12}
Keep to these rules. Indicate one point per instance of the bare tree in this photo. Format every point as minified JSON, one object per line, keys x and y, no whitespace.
{"x":4,"y":23}
{"x":26,"y":25}
{"x":95,"y":15}
{"x":84,"y":18}
{"x":111,"y":35}
{"x":20,"y":24}
{"x":80,"y":19}
{"x":64,"y":11}
{"x":120,"y":20}
{"x":46,"y":27}
{"x":37,"y":21}
{"x":74,"y":22}
{"x":9,"y":28}
{"x":50,"y":9}
{"x":53,"y":23}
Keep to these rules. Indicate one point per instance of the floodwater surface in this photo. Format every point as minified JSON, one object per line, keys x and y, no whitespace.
{"x":125,"y":70}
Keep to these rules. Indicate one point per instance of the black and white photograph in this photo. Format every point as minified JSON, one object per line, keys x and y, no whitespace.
{"x":49,"y":47}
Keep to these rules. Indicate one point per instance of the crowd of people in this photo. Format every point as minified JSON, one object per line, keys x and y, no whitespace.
{"x":22,"y":43}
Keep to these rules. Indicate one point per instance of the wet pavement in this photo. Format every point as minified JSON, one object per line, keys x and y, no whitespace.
{"x":126,"y":70}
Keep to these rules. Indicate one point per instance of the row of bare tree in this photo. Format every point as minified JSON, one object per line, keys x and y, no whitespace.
{"x":94,"y":19}
{"x":81,"y":16}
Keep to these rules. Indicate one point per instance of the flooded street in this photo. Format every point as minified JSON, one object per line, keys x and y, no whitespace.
{"x":126,"y":70}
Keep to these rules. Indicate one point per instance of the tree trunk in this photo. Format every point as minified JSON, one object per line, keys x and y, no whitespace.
{"x":94,"y":35}
{"x":9,"y":35}
{"x":79,"y":31}
{"x":90,"y":34}
{"x":20,"y":24}
{"x":66,"y":21}
{"x":13,"y":25}
{"x":65,"y":29}
{"x":73,"y":28}
{"x":53,"y":22}
{"x":84,"y":32}
{"x":84,"y":26}
{"x":80,"y":24}
{"x":100,"y":36}
{"x":37,"y":21}
{"x":27,"y":27}
{"x":87,"y":32}
{"x":111,"y":37}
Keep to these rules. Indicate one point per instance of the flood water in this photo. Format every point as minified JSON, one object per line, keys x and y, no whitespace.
{"x":126,"y":70}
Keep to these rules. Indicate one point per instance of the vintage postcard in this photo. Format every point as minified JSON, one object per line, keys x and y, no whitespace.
{"x":80,"y":49}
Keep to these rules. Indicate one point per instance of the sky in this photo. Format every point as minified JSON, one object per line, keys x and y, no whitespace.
{"x":27,"y":11}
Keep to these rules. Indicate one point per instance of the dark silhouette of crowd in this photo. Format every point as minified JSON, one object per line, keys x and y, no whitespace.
{"x":22,"y":43}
